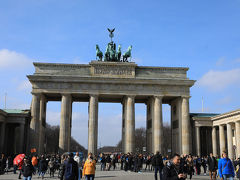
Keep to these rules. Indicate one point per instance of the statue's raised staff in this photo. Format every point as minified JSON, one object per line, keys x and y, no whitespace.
{"x":99,"y":53}
{"x":111,"y":33}
{"x":127,"y":54}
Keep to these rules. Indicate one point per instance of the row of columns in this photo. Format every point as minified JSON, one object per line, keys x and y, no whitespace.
{"x":37,"y":125}
{"x":222,"y":141}
{"x":18,"y":137}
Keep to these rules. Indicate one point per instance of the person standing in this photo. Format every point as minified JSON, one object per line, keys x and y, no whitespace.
{"x":70,"y":169}
{"x":225,"y":167}
{"x":173,"y":170}
{"x":27,"y":169}
{"x":79,"y":162}
{"x":89,"y":167}
{"x":157,"y":162}
{"x":212,"y":166}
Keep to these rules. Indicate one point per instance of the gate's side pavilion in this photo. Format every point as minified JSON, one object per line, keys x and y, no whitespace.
{"x":118,"y":82}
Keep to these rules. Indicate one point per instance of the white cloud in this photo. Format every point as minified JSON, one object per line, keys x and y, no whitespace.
{"x":219,"y":80}
{"x":12,"y":59}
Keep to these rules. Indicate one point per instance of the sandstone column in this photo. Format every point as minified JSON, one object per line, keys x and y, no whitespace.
{"x":34,"y":125}
{"x":2,"y":136}
{"x":42,"y":124}
{"x":198,"y":143}
{"x":64,"y":123}
{"x":70,"y":126}
{"x":185,"y":126}
{"x":214,"y":141}
{"x":21,"y":138}
{"x":149,"y":125}
{"x":157,"y":125}
{"x":222,"y":138}
{"x":123,"y":124}
{"x":237,"y":129}
{"x":93,"y":124}
{"x":130,"y":124}
{"x":230,"y":141}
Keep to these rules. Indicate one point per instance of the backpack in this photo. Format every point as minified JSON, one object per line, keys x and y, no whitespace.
{"x":68,"y":171}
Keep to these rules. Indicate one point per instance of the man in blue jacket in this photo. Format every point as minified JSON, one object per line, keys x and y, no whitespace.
{"x":225,"y":167}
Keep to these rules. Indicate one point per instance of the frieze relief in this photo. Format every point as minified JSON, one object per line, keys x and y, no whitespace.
{"x":110,"y":87}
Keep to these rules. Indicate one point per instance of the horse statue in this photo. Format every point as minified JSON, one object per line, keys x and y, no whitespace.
{"x":106,"y":55}
{"x":99,"y":53}
{"x":119,"y":53}
{"x":112,"y":53}
{"x":127,"y":54}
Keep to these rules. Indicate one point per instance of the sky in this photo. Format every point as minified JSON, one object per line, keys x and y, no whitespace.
{"x":201,"y":34}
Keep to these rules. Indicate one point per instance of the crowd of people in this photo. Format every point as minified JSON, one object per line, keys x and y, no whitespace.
{"x":72,"y":167}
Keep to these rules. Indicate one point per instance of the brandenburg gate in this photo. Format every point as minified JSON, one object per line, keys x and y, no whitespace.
{"x":118,"y":82}
{"x":112,"y":80}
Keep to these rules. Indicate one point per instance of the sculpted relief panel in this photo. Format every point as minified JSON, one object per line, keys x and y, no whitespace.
{"x":110,"y":70}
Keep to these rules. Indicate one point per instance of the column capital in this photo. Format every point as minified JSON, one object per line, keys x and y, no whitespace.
{"x":230,"y":123}
{"x":36,"y":94}
{"x":128,"y":96}
{"x":158,"y":96}
{"x":66,"y":94}
{"x":94,"y":95}
{"x":186,"y":97}
{"x":131,"y":96}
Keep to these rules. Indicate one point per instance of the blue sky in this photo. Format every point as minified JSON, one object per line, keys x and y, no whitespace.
{"x":202,"y":35}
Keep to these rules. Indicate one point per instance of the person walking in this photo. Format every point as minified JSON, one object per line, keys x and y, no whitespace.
{"x":225,"y":167}
{"x":157,"y":162}
{"x":51,"y":165}
{"x":198,"y":165}
{"x":34,"y":163}
{"x":103,"y":162}
{"x":89,"y":167}
{"x":43,"y":166}
{"x":27,"y":169}
{"x":70,"y":169}
{"x":173,"y":170}
{"x":189,"y":162}
{"x":212,"y":166}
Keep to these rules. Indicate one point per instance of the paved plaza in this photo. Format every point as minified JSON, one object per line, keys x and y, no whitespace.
{"x":108,"y":175}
